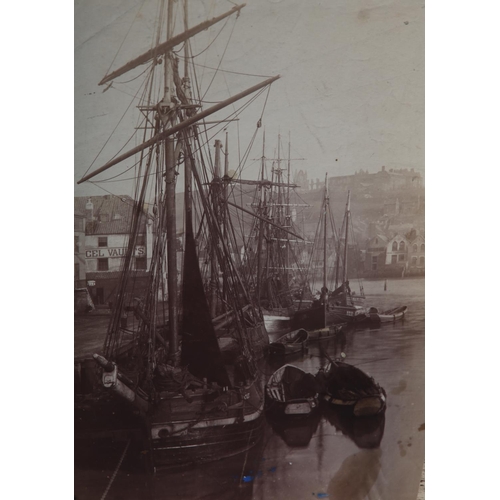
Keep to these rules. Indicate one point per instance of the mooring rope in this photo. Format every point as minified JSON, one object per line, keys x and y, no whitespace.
{"x":116,"y":470}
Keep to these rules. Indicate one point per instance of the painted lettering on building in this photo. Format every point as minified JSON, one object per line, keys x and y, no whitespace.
{"x":99,"y":253}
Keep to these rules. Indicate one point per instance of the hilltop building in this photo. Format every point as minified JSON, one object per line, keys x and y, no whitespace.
{"x":383,"y":181}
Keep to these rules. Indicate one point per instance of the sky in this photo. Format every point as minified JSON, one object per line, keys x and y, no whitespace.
{"x":351,"y":92}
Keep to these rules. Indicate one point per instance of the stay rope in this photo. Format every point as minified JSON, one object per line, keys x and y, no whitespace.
{"x":116,"y":470}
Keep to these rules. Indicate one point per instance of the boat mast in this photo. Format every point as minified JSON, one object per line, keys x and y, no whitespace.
{"x":288,"y":218}
{"x":186,"y":85}
{"x":225,"y":232}
{"x":168,"y":121}
{"x":214,"y":272}
{"x":278,"y":254}
{"x":325,"y":213}
{"x":226,"y":180}
{"x":261,"y":225}
{"x":347,"y":210}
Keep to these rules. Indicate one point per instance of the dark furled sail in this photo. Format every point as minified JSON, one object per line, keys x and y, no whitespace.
{"x":200,"y":350}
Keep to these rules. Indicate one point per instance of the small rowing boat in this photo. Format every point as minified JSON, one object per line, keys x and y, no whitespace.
{"x":390,"y":316}
{"x":344,"y":385}
{"x":292,"y":391}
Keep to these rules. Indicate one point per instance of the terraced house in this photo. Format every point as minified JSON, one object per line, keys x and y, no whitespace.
{"x":399,"y":255}
{"x":107,"y":228}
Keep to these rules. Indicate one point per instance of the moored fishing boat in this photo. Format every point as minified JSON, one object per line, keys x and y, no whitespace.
{"x":290,"y":343}
{"x":340,"y":305}
{"x":389,"y":316}
{"x":196,"y":403}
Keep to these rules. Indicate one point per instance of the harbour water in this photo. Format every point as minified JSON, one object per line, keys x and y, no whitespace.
{"x":327,"y":457}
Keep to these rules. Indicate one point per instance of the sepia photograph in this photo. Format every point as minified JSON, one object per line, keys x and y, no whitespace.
{"x":249,"y":250}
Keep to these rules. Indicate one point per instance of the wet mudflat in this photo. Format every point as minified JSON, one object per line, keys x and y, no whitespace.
{"x":329,"y":456}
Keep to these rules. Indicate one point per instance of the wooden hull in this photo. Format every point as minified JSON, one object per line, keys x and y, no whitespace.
{"x":200,"y":445}
{"x":290,"y":343}
{"x":349,"y":388}
{"x":391,"y":316}
{"x":316,"y":318}
{"x":292,"y":392}
{"x":175,"y":432}
{"x":311,"y":318}
{"x":349,"y":314}
{"x":181,"y":436}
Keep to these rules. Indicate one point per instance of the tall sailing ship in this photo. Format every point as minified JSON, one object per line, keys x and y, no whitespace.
{"x":328,"y":269}
{"x":188,"y":368}
{"x":274,"y":244}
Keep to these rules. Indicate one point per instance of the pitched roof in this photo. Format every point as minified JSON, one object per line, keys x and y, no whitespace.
{"x":112,"y":214}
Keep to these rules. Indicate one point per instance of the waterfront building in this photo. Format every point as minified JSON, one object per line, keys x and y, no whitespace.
{"x":399,"y":255}
{"x":397,"y":250}
{"x":416,"y":255}
{"x":375,"y":254}
{"x":107,"y":228}
{"x":80,"y":267}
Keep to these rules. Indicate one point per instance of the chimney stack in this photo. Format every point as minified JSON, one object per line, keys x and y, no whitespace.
{"x":89,"y":210}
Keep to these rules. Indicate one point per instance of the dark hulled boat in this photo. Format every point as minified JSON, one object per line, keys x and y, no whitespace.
{"x":194,"y":401}
{"x":347,"y":387}
{"x":342,"y":305}
{"x":292,"y":392}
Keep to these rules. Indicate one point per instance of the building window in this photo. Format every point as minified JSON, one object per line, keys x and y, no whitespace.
{"x":77,"y":271}
{"x":422,"y":261}
{"x":374,"y":262}
{"x":413,"y":261}
{"x":394,"y":259}
{"x":422,"y":247}
{"x":415,"y":248}
{"x":102,"y":241}
{"x":394,"y":246}
{"x":401,"y":257}
{"x":141,"y":240}
{"x":140,"y":263}
{"x":102,"y":265}
{"x":401,"y":246}
{"x":77,"y":244}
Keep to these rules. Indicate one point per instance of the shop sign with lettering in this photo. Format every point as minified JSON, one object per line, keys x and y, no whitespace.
{"x":102,"y":253}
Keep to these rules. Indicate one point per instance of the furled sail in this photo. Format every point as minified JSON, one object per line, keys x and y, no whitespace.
{"x":200,"y":350}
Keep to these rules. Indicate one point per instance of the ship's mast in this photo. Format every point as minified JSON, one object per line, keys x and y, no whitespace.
{"x":325,"y":216}
{"x":288,"y":217}
{"x":261,"y":225}
{"x":214,"y":270}
{"x":168,"y":121}
{"x":347,"y":211}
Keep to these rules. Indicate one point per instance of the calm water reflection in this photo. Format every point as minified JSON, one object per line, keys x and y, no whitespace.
{"x":328,"y":456}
